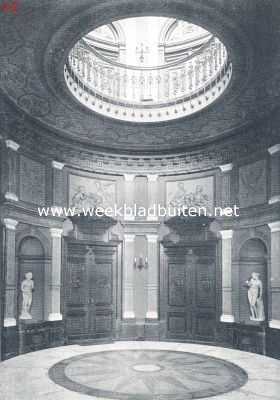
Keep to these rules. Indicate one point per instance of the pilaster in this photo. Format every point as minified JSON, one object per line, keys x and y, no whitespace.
{"x":152,"y":195}
{"x":55,"y":278}
{"x":58,"y":184}
{"x":274,"y":152}
{"x":227,"y":313}
{"x":129,"y":191}
{"x":11,"y":187}
{"x":152,"y":285}
{"x":275,"y":274}
{"x":128,"y":272}
{"x":10,"y":313}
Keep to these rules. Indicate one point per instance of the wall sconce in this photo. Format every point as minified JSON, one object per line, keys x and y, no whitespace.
{"x":140,"y":264}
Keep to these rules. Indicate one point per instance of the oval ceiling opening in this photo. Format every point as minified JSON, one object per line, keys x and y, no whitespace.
{"x":148,"y":69}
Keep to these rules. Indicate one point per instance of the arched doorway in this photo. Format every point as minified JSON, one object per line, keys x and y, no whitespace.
{"x":32,"y":259}
{"x":252,"y":259}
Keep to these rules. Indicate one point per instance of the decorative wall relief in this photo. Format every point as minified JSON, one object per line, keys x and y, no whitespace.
{"x":32,"y":181}
{"x":252,"y":184}
{"x":91,"y":193}
{"x":27,"y":287}
{"x":191,"y":193}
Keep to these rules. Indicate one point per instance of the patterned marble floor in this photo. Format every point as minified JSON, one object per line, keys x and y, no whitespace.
{"x":140,"y":371}
{"x":148,"y":375}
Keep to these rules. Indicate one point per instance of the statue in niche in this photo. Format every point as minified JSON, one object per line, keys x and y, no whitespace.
{"x":27,"y":287}
{"x":255,"y":297}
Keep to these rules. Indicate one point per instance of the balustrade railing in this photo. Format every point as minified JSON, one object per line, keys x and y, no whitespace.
{"x":111,"y":82}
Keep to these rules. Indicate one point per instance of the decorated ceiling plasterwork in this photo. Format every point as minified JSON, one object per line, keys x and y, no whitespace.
{"x":35,"y":42}
{"x":36,"y":139}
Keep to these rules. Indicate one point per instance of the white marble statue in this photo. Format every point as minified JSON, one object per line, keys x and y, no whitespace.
{"x":27,"y":287}
{"x":255,"y":297}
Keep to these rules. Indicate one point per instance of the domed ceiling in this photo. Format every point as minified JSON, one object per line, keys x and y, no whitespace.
{"x":35,"y":44}
{"x":159,"y":69}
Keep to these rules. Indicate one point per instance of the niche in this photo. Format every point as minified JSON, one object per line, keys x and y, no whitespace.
{"x":32,"y":259}
{"x":253,"y":258}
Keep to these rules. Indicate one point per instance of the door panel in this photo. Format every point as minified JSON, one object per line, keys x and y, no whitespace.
{"x":76,"y":299}
{"x":191,"y":285}
{"x":90,"y":296}
{"x":177,"y":285}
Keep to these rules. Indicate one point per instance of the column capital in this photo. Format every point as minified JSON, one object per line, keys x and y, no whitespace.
{"x":10,"y":144}
{"x":10,"y":223}
{"x":152,"y":177}
{"x":274,"y":199}
{"x":128,"y":315}
{"x":57,"y":165}
{"x":9,"y":322}
{"x":274,"y":324}
{"x":55,"y":317}
{"x":11,"y":196}
{"x":56,"y":232}
{"x":226,"y":234}
{"x":129,"y":237}
{"x":227,"y":318}
{"x":129,"y":177}
{"x":274,"y":226}
{"x":274,"y":149}
{"x":226,"y":167}
{"x":152,"y":315}
{"x":152,"y":238}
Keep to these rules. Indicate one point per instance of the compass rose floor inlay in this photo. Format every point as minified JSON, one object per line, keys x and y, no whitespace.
{"x":148,"y":375}
{"x":140,"y":371}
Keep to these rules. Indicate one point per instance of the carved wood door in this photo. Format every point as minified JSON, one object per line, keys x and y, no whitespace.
{"x":89,"y":290}
{"x":191,"y":287}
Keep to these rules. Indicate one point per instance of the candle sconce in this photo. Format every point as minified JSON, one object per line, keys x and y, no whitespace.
{"x":140,"y":263}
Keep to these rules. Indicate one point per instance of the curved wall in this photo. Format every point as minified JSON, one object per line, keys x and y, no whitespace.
{"x":31,"y":178}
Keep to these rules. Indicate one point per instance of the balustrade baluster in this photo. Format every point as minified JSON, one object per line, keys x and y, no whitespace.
{"x":108,"y":79}
{"x":142,"y":86}
{"x":197,"y":73}
{"x":175,"y":83}
{"x":133,"y":84}
{"x":219,"y":54}
{"x":190,"y":76}
{"x":150,"y":83}
{"x":183,"y":80}
{"x":83,"y":64}
{"x":204,"y":67}
{"x":124,"y":84}
{"x":166,"y":84}
{"x":117,"y":80}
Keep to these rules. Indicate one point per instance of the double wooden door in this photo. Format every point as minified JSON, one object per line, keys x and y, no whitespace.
{"x":90,"y":290}
{"x":190,"y":284}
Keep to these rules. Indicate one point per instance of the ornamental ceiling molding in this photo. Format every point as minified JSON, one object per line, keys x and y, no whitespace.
{"x":253,"y":141}
{"x":34,"y":71}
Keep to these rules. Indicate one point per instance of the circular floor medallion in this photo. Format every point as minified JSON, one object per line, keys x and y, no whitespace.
{"x":148,"y":375}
